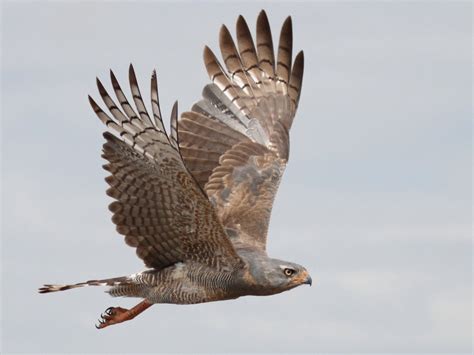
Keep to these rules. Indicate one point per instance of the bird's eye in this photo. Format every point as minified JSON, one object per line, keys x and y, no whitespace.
{"x":288,"y":272}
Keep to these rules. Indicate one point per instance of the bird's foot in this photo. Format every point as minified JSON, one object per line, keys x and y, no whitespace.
{"x":113,"y":315}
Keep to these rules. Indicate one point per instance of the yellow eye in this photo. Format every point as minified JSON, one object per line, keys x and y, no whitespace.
{"x":288,"y":272}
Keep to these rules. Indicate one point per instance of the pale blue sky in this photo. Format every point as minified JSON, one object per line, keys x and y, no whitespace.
{"x":376,"y":200}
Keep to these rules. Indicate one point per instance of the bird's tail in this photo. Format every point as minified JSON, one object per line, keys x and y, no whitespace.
{"x":116,"y":281}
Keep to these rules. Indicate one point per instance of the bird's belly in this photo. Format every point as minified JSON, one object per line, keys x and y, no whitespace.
{"x":187,"y":293}
{"x":187,"y":284}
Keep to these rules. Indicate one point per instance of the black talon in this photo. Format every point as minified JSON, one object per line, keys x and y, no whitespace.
{"x":109,"y":311}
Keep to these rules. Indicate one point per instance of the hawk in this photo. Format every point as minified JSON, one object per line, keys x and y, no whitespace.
{"x":196,"y":204}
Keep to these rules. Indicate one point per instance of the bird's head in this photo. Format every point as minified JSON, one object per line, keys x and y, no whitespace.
{"x":277,"y":276}
{"x":284,"y":274}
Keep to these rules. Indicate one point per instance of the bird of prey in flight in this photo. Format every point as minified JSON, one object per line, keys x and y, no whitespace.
{"x":196,"y":203}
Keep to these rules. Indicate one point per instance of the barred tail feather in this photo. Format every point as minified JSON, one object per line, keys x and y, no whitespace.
{"x":105,"y":282}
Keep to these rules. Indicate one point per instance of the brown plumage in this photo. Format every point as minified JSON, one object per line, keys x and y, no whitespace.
{"x":196,"y":204}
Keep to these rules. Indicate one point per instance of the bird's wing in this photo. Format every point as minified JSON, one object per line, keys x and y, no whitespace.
{"x":159,"y":208}
{"x":235,"y":141}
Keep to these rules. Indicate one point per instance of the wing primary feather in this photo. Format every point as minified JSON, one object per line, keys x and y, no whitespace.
{"x":296,"y":80}
{"x":122,"y":99}
{"x":137,"y":97}
{"x":248,"y":53}
{"x":116,"y":112}
{"x":233,"y":62}
{"x":155,"y":102}
{"x":174,"y":126}
{"x":266,"y":57}
{"x":224,"y":87}
{"x":111,"y":124}
{"x":121,"y":96}
{"x":284,"y":56}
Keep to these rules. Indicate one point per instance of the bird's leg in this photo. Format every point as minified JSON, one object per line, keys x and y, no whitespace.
{"x":115,"y":315}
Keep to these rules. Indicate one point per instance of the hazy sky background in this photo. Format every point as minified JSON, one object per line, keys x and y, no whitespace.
{"x":376,"y":200}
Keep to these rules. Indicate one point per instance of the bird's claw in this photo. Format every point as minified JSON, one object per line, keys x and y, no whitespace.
{"x":101,"y":323}
{"x":110,"y":311}
{"x":111,"y":315}
{"x":104,"y":319}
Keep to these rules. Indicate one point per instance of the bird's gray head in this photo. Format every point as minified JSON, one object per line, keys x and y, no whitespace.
{"x":276,"y":276}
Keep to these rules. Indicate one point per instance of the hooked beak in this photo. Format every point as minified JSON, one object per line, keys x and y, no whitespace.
{"x":308,"y":281}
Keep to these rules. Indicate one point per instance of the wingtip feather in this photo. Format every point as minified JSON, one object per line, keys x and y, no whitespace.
{"x":174,"y":112}
{"x":299,"y":59}
{"x":225,"y":38}
{"x":101,"y":87}
{"x":93,"y":104}
{"x":131,"y":75}
{"x":115,"y":83}
{"x":262,"y":13}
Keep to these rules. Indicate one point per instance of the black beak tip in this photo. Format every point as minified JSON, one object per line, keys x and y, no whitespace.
{"x":309,"y":280}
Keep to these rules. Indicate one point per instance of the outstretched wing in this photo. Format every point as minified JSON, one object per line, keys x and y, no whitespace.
{"x":159,"y":208}
{"x":235,"y":141}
